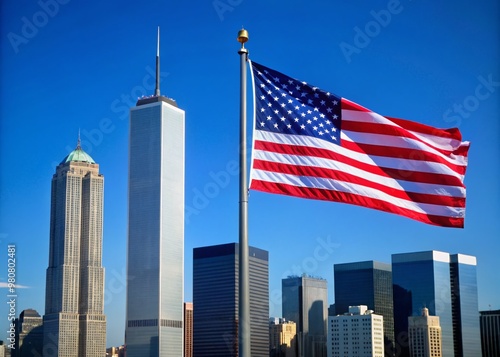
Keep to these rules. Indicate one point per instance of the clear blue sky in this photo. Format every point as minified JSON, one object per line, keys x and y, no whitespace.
{"x":81,"y":65}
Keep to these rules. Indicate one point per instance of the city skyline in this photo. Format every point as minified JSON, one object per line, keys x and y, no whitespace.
{"x":62,"y":72}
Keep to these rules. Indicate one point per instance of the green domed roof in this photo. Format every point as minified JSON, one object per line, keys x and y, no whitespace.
{"x":78,"y":155}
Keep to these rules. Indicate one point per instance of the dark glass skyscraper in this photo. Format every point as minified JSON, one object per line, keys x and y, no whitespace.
{"x":445,"y":284}
{"x":215,"y":300}
{"x":465,"y":311}
{"x":366,"y":283}
{"x":305,"y":302}
{"x":422,"y":280}
{"x":490,"y":333}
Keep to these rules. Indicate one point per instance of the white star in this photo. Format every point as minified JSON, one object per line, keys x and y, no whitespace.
{"x":262,"y":85}
{"x":314,"y":88}
{"x":269,"y":92}
{"x":290,"y":81}
{"x":297,"y":87}
{"x":303,"y":114}
{"x":269,"y":117}
{"x":262,"y":123}
{"x":297,"y":107}
{"x":283,"y":94}
{"x":303,"y":94}
{"x":334,"y":129}
{"x":276,"y":111}
{"x":275,"y":99}
{"x":309,"y":121}
{"x":335,"y":102}
{"x":329,"y":110}
{"x":320,"y":132}
{"x":302,"y":126}
{"x":276,"y":79}
{"x":315,"y":128}
{"x":284,"y":86}
{"x":283,"y":105}
{"x":269,"y":105}
{"x":322,"y":102}
{"x":282,"y":118}
{"x":309,"y":112}
{"x":289,"y":126}
{"x":309,"y":101}
{"x":262,"y":97}
{"x":316,"y":95}
{"x":335,"y":117}
{"x":289,"y":111}
{"x":296,"y":120}
{"x":322,"y":115}
{"x":262,"y":110}
{"x":315,"y":118}
{"x":290,"y":101}
{"x":268,"y":81}
{"x":321,"y":124}
{"x":328,"y":122}
{"x":316,"y":109}
{"x":276,"y":125}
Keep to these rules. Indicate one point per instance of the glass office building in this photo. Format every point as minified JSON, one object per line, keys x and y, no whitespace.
{"x":215,"y":301}
{"x":422,"y":280}
{"x":366,"y":283}
{"x":155,"y":257}
{"x":446,"y":285}
{"x":304,"y":301}
{"x":465,"y":310}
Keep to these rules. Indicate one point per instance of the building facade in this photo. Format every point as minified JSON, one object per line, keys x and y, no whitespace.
{"x":305,"y":301}
{"x":215,"y":300}
{"x":367,"y":283}
{"x":282,"y":338}
{"x":358,"y":332}
{"x":424,"y":335}
{"x":422,"y":279}
{"x":188,"y":329}
{"x":155,"y":264}
{"x":490,"y":333}
{"x":29,"y":334}
{"x":464,"y":306}
{"x":74,"y":321}
{"x":446,"y":285}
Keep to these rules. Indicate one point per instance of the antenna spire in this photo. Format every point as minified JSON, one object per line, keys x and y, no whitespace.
{"x":157,"y":88}
{"x":79,"y":142}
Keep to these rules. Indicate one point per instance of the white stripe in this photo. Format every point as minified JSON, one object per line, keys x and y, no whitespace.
{"x":407,"y":186}
{"x":341,"y":186}
{"x":381,"y":161}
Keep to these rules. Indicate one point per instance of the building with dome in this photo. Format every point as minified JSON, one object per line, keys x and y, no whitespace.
{"x":74,"y":321}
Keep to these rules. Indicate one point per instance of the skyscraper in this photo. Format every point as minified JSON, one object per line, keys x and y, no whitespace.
{"x":304,"y":301}
{"x":422,"y":279}
{"x":358,"y":332}
{"x":29,"y":334}
{"x":74,"y":322}
{"x":188,"y":329}
{"x":215,"y":300}
{"x":366,"y":283}
{"x":464,"y":306}
{"x":490,"y":333}
{"x":155,"y":264}
{"x":424,"y":335}
{"x":446,"y":285}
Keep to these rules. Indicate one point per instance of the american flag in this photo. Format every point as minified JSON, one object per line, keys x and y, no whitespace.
{"x":313,"y":144}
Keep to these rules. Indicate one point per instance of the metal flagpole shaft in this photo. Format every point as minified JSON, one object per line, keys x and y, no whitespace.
{"x":244,"y":279}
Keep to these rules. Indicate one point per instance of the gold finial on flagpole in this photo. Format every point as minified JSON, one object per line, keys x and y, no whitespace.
{"x":242,"y":37}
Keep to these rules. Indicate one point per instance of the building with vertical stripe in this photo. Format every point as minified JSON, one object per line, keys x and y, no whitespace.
{"x":215,"y":300}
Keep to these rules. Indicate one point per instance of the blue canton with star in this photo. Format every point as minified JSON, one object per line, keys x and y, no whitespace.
{"x":286,"y":105}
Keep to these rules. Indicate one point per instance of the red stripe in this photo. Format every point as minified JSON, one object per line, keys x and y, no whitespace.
{"x":391,"y":130}
{"x":401,"y":174}
{"x":330,"y":195}
{"x":452,"y":133}
{"x":309,"y":171}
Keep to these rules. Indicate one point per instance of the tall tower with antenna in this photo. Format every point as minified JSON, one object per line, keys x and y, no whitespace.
{"x":155,"y":258}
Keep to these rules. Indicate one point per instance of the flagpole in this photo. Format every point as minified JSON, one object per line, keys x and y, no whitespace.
{"x":244,"y":283}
